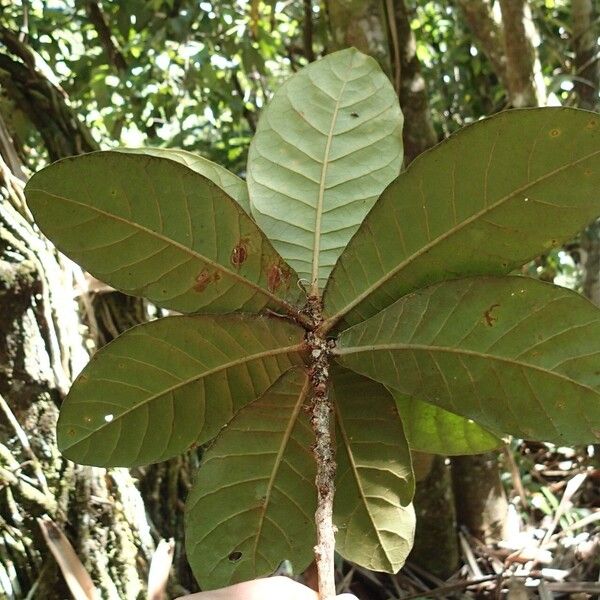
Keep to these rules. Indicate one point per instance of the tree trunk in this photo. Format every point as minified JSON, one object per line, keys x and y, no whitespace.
{"x":487,"y":31}
{"x":41,"y":349}
{"x":387,"y":36}
{"x":481,"y":504}
{"x":585,"y":46}
{"x":435,"y":548}
{"x":418,"y":133}
{"x":587,"y":88}
{"x":524,"y":81}
{"x":362,"y":24}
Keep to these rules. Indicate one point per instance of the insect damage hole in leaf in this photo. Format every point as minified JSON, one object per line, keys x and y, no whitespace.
{"x":331,"y":285}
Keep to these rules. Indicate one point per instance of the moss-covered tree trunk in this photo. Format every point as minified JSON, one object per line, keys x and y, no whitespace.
{"x":42,"y":346}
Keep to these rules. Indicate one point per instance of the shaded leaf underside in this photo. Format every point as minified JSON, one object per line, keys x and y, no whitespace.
{"x":165,"y":385}
{"x":374,"y":481}
{"x":485,"y":201}
{"x":154,"y":228}
{"x":512,"y":353}
{"x":230,"y":183}
{"x":252,"y":504}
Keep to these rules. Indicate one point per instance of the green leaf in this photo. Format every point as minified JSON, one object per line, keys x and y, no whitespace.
{"x":491,"y":197}
{"x":326,"y":146}
{"x":163,"y":386}
{"x":252,"y":504}
{"x":374,"y":482}
{"x":432,"y":429}
{"x":151,"y":227}
{"x":231,"y":184}
{"x":514,"y":354}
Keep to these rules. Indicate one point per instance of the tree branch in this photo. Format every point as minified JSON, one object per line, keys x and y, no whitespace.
{"x":585,"y":45}
{"x":478,"y":15}
{"x":96,"y":17}
{"x":524,"y":87}
{"x":419,"y":133}
{"x":43,"y":103}
{"x":309,"y":52}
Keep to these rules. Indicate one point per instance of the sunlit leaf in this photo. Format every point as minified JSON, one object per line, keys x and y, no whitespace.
{"x":514,"y":354}
{"x":166,"y":385}
{"x":151,"y":227}
{"x":432,"y":429}
{"x":326,"y":146}
{"x":375,"y":482}
{"x":252,"y":504}
{"x":485,"y":201}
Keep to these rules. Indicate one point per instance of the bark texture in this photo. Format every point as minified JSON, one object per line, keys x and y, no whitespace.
{"x":487,"y":31}
{"x":418,"y":133}
{"x":362,"y":24}
{"x":586,"y":30}
{"x":435,"y":548}
{"x":42,"y":346}
{"x":524,"y":82}
{"x":481,"y":504}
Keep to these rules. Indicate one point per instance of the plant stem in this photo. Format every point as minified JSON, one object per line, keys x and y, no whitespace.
{"x":324,"y":451}
{"x":325,"y":481}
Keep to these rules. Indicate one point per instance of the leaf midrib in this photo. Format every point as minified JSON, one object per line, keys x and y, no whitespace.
{"x":358,"y":481}
{"x":197,"y":377}
{"x":186,"y":249}
{"x":321,"y":196}
{"x":283,"y":446}
{"x":340,"y":351}
{"x":331,"y":321}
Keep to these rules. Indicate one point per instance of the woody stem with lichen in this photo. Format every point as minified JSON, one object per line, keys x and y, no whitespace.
{"x":321,"y":410}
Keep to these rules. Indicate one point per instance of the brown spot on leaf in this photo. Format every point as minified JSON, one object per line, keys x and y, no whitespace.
{"x":591,"y":124}
{"x":277,"y":276}
{"x":490,"y":319}
{"x":235,"y":556}
{"x":555,"y":132}
{"x":239,"y":254}
{"x":204,"y":279}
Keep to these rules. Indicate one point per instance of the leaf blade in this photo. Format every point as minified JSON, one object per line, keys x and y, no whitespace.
{"x":311,"y":176}
{"x":433,"y":430}
{"x":374,"y":481}
{"x":165,"y":385}
{"x":260,"y":470}
{"x":155,"y":228}
{"x":490,"y":349}
{"x":230,"y":183}
{"x":486,"y":200}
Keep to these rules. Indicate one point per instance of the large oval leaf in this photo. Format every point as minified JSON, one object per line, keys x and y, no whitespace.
{"x":374,"y":482}
{"x":166,"y":385}
{"x":252,"y":504}
{"x":514,"y":354}
{"x":233,"y":185}
{"x":485,"y":201}
{"x":326,"y":146}
{"x":151,"y":227}
{"x":433,"y":430}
